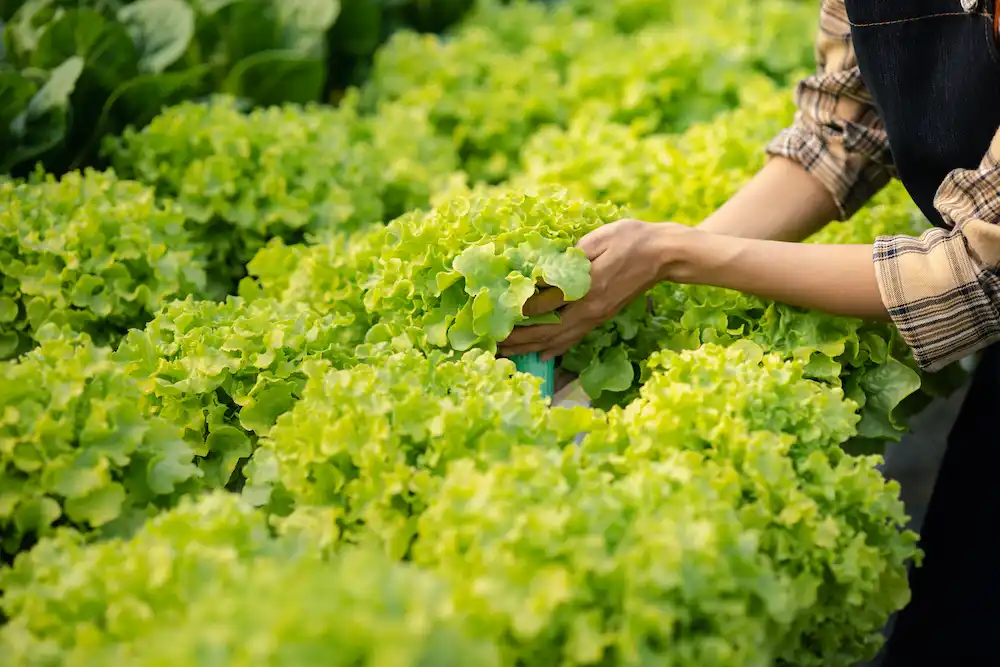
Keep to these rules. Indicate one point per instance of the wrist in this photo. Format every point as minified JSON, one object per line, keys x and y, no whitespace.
{"x":690,"y":254}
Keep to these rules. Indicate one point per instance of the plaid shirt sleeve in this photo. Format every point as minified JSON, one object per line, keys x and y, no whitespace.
{"x":837,"y":135}
{"x":943,"y":289}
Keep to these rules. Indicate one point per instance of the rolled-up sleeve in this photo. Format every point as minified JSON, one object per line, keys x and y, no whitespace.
{"x":942,"y":289}
{"x":837,"y":135}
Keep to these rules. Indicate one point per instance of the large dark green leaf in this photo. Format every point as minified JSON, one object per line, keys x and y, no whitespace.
{"x":109,"y":55}
{"x":274,"y":77}
{"x":358,"y":29}
{"x":54,"y":94}
{"x":236,"y":30}
{"x":25,"y":28}
{"x":160,"y":29}
{"x":15,"y":93}
{"x":145,"y":96}
{"x":305,"y":24}
{"x":43,"y":124}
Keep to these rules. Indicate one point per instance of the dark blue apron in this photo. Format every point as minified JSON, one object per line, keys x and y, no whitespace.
{"x":933,"y":68}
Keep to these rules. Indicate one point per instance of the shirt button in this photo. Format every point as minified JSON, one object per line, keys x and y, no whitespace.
{"x":969,"y":5}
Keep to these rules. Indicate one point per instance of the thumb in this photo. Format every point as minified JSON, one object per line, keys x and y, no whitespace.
{"x":596,"y":242}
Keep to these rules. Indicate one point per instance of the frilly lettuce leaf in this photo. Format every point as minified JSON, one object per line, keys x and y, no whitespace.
{"x":224,"y":372}
{"x":813,"y":504}
{"x":463,"y":271}
{"x":77,"y":445}
{"x":89,"y":251}
{"x":374,"y":439}
{"x":205,"y":568}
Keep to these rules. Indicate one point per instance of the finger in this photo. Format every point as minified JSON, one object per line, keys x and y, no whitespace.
{"x":545,"y":301}
{"x":574,"y":327}
{"x":532,"y":334}
{"x":518,"y":350}
{"x":524,"y":340}
{"x":527,"y":347}
{"x":561,"y":345}
{"x":549,"y":348}
{"x":556,"y":352}
{"x":596,"y":242}
{"x":570,"y":316}
{"x":578,"y":321}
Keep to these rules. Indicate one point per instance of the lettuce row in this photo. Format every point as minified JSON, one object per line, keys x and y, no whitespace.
{"x":245,"y":177}
{"x":457,"y":276}
{"x":372,"y":441}
{"x":565,"y":563}
{"x":646,"y":80}
{"x":510,"y":71}
{"x":676,"y":177}
{"x":485,"y":98}
{"x":224,"y":372}
{"x":791,"y":19}
{"x":714,"y":521}
{"x":77,"y":445}
{"x":628,"y":16}
{"x":771,"y":35}
{"x":708,"y":164}
{"x":329,"y":277}
{"x":826,"y":519}
{"x":292,"y":172}
{"x":188,"y":589}
{"x":89,"y":251}
{"x":592,"y":159}
{"x":414,"y":162}
{"x":727,"y":468}
{"x":868,"y":360}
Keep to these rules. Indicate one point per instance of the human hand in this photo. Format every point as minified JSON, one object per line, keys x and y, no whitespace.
{"x":627,"y":258}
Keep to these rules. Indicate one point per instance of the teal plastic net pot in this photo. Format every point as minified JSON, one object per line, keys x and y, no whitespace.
{"x":546,"y":370}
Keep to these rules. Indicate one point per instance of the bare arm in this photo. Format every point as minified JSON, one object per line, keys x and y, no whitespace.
{"x":630,"y":256}
{"x":782,"y":202}
{"x":750,"y":244}
{"x":837,"y":279}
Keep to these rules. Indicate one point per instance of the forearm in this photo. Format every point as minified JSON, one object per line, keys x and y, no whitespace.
{"x":837,"y":279}
{"x":781,"y":203}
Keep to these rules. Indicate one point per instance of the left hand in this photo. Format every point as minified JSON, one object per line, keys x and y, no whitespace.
{"x":628,"y":257}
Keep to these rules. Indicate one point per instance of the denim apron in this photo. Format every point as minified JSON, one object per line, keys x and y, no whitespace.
{"x":933,"y":69}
